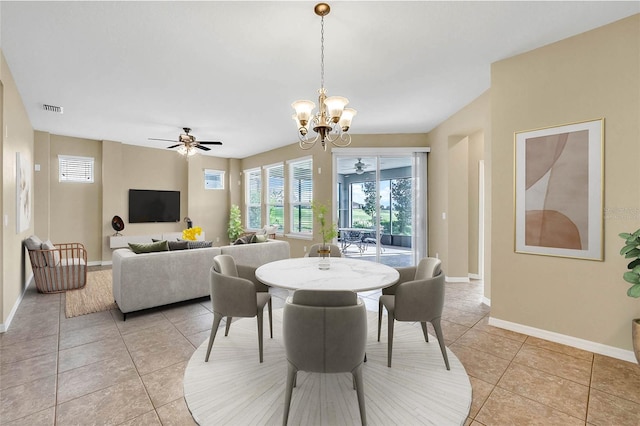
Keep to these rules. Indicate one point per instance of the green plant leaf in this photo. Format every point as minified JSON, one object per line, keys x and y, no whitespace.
{"x":631,"y":277}
{"x":624,"y":235}
{"x":627,"y":248}
{"x":632,"y":253}
{"x":634,"y":291}
{"x":634,"y":264}
{"x":637,"y":233}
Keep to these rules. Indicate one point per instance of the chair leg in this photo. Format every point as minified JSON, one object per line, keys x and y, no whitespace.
{"x":226,"y":329}
{"x":291,"y":377}
{"x":391,"y":320}
{"x":214,"y":329}
{"x":270,"y":319}
{"x":443,"y":349}
{"x":379,"y":317}
{"x":357,"y":377}
{"x":424,"y":331}
{"x":260,"y":317}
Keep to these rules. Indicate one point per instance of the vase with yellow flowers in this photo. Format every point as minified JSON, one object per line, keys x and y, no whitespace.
{"x":191,"y":234}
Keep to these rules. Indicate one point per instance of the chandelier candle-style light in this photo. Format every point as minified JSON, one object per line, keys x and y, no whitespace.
{"x":332,"y":121}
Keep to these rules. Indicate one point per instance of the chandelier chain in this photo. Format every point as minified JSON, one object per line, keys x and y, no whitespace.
{"x":322,"y":52}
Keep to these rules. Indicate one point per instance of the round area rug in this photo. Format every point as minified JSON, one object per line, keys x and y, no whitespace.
{"x":234,"y":388}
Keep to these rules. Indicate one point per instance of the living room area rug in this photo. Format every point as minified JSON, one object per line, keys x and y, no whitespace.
{"x":96,"y":296}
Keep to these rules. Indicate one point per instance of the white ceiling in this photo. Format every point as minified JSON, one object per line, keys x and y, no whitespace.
{"x":129,"y":71}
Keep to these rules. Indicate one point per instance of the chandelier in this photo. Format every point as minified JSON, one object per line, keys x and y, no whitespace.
{"x":332,"y":121}
{"x":187,"y":150}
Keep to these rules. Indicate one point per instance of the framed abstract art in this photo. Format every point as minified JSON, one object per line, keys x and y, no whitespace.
{"x":559,"y":190}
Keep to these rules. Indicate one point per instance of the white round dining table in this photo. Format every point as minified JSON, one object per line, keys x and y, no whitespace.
{"x":343,"y":274}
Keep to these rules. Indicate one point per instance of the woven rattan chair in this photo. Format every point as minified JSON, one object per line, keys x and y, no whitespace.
{"x":57,"y":267}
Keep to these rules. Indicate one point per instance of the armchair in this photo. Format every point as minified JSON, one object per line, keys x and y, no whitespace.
{"x":57,"y":267}
{"x":418,"y":296}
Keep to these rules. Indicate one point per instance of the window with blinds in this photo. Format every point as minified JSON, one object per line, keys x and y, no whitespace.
{"x":253,"y":198}
{"x":301,"y":195}
{"x":274,"y":201}
{"x":75,"y":169}
{"x":213,"y":179}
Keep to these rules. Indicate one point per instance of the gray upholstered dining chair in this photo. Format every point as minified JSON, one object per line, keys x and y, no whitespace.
{"x":417,"y":296}
{"x":324,"y":332}
{"x":313,"y":251}
{"x":232,"y":296}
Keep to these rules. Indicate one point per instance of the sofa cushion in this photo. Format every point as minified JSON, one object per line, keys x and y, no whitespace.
{"x":199,"y":244}
{"x":52,"y":257}
{"x":178,"y":245}
{"x":149,"y":247}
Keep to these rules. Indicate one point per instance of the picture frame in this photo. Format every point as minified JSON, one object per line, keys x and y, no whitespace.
{"x":23,"y":193}
{"x":559,"y":190}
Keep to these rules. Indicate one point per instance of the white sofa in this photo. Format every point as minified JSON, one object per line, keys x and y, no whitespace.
{"x":147,"y":280}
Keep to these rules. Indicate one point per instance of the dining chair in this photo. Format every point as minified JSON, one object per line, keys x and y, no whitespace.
{"x":417,"y":296}
{"x":324,"y":332}
{"x":232,"y":296}
{"x":313,"y":251}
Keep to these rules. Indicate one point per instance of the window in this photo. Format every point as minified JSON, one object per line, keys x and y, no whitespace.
{"x":274,"y":201}
{"x":301,"y":195}
{"x":253,"y":198}
{"x":75,"y":169}
{"x":213,"y":179}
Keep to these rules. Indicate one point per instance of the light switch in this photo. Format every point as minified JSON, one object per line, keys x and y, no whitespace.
{"x":37,"y":167}
{"x":6,"y":220}
{"x":444,"y":215}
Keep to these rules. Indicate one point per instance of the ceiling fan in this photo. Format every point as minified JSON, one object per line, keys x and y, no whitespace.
{"x":187,"y":143}
{"x":360,"y":166}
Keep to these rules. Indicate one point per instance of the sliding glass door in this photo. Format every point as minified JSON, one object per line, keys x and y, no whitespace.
{"x":380,"y":207}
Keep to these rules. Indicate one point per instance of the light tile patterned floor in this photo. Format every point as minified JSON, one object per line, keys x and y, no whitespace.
{"x":97,"y":369}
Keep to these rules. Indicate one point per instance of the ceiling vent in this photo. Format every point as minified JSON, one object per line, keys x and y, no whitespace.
{"x":52,"y":108}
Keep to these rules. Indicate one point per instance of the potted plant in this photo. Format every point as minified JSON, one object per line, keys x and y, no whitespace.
{"x":631,"y":250}
{"x":235,"y":223}
{"x":328,"y":231}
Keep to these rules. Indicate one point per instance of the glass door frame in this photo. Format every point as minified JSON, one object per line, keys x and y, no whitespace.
{"x":419,"y":245}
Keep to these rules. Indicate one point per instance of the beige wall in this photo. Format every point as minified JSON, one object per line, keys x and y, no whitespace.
{"x":589,"y":76}
{"x":17,"y":136}
{"x":323,"y":178}
{"x":457,"y":145}
{"x":75,"y":208}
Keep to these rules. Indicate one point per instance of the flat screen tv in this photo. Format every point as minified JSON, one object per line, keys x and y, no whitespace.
{"x":147,"y":205}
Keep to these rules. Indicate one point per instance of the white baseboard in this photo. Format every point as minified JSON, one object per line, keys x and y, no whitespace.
{"x":456,"y":279}
{"x":575,"y":342}
{"x":106,"y":263}
{"x":475,"y":276}
{"x":4,"y":327}
{"x":95,"y":263}
{"x":486,"y":300}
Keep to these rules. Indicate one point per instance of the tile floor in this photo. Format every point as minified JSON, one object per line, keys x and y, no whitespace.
{"x":97,"y":369}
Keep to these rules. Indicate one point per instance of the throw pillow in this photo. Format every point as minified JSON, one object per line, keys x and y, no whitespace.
{"x":259,"y":238}
{"x":199,"y":244}
{"x":35,"y":243}
{"x":246,"y":239}
{"x":52,"y":258}
{"x":149,"y":247}
{"x":178,"y":245}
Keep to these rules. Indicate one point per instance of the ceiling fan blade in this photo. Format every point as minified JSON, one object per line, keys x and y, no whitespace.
{"x":204,"y":148}
{"x":210,"y":142}
{"x":164,"y":140}
{"x":174,"y":146}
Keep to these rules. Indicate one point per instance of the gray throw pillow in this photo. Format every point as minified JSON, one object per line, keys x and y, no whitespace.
{"x":51,"y":257}
{"x":199,"y":244}
{"x":178,"y":245}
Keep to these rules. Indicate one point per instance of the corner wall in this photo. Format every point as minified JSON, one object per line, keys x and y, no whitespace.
{"x":17,"y":136}
{"x":592,"y":75}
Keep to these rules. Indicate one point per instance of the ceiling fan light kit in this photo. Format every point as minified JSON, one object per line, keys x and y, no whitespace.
{"x":333,"y":120}
{"x":187,"y":144}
